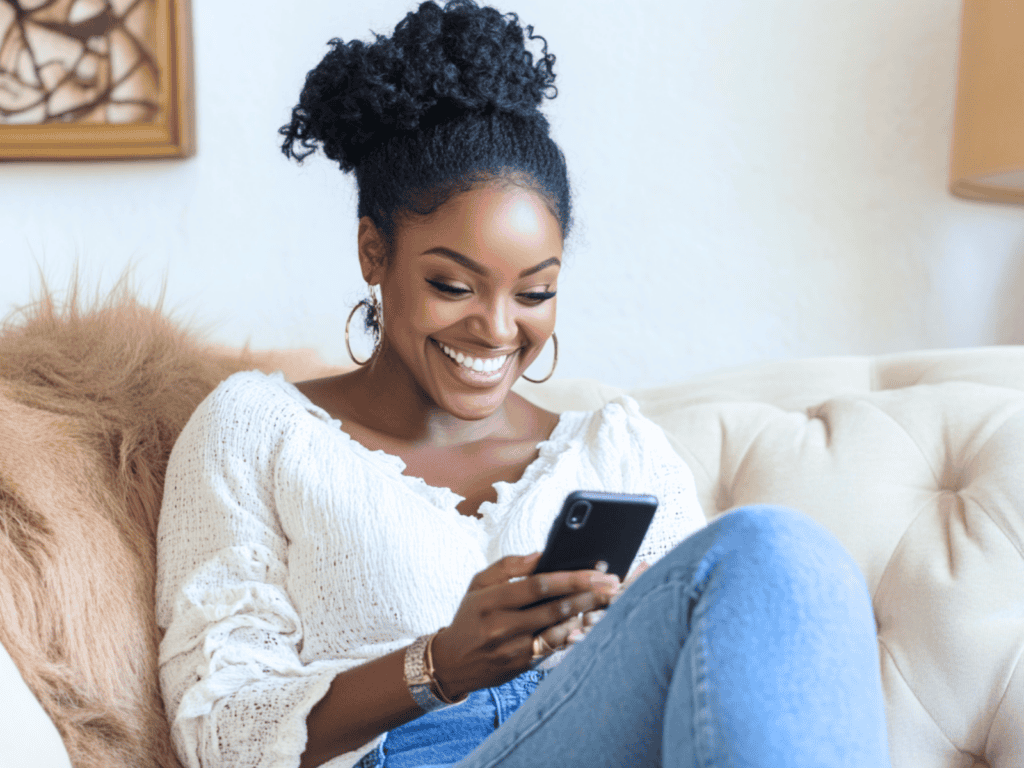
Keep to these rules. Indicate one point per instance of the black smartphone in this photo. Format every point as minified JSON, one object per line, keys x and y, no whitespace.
{"x":596,"y":526}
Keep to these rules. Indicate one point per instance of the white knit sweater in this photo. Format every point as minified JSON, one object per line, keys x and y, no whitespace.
{"x":288,"y":552}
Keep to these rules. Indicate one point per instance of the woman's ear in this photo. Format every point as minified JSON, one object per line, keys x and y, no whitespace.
{"x":372,"y":251}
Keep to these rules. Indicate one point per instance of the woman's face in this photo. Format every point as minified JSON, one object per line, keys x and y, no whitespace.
{"x":469,"y":295}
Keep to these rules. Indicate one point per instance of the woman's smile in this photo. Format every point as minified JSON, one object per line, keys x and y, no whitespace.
{"x":476,"y":371}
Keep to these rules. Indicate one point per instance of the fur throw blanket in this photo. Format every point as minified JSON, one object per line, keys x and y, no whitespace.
{"x":91,"y":402}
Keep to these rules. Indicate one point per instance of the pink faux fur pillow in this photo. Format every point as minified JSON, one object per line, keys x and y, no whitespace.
{"x":91,"y":402}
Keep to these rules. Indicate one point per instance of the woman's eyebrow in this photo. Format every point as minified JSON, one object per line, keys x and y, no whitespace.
{"x":473,"y":266}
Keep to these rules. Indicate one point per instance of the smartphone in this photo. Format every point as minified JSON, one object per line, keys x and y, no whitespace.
{"x":596,"y":526}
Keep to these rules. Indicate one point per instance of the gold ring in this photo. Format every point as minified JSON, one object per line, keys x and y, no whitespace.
{"x":541,"y":648}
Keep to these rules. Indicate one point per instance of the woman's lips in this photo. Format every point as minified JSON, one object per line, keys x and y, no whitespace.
{"x":476,"y":370}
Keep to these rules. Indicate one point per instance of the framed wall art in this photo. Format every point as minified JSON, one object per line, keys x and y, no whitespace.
{"x":92,"y":79}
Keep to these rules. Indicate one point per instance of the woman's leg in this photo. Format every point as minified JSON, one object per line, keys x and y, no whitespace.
{"x":752,"y":643}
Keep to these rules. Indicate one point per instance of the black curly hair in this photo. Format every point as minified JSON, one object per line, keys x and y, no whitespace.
{"x":449,"y":100}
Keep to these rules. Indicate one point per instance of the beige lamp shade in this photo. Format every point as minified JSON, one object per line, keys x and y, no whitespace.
{"x":988,"y":131}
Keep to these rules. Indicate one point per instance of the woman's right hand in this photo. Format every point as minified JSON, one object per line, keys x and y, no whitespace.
{"x":490,"y":640}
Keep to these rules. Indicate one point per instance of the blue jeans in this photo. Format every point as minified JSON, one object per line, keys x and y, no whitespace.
{"x":752,"y":643}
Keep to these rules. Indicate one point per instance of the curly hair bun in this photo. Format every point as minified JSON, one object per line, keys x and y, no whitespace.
{"x":437,"y":66}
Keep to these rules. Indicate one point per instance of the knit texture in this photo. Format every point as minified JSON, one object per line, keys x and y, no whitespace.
{"x":288,"y":552}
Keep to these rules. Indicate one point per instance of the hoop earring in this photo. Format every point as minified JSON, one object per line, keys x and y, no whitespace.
{"x":554,"y":364}
{"x":348,"y":346}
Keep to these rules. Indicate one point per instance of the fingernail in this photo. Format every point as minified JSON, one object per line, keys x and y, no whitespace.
{"x":605,"y":581}
{"x":601,"y":566}
{"x":575,"y":635}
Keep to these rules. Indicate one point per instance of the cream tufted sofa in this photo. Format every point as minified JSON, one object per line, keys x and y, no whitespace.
{"x":915,"y":461}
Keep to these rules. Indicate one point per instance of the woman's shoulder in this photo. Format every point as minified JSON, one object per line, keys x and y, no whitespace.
{"x":247,"y":388}
{"x":256,"y":392}
{"x":617,"y":431}
{"x":618,"y":418}
{"x":247,"y":407}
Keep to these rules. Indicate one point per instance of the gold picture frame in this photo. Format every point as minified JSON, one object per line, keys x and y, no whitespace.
{"x":161,"y":123}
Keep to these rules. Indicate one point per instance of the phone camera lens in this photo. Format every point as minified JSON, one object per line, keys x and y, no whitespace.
{"x":578,"y":514}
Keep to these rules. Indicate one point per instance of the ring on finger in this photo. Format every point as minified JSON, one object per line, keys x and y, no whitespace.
{"x":541,"y":648}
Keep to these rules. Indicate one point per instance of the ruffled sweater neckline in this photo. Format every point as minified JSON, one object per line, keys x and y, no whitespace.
{"x":550,"y":452}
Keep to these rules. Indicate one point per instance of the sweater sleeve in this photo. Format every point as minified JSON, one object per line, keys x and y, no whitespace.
{"x":234,"y":686}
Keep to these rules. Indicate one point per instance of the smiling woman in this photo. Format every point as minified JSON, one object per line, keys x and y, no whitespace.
{"x":343,"y":567}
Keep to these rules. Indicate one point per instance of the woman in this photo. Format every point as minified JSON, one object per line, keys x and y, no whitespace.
{"x":342,"y":563}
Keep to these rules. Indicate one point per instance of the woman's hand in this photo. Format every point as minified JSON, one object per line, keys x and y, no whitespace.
{"x":490,"y":640}
{"x":588,"y":620}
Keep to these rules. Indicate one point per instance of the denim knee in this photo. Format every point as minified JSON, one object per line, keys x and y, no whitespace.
{"x":754,"y":547}
{"x":785,"y":537}
{"x":771,"y":537}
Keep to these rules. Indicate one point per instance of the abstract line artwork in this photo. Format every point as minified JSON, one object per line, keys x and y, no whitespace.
{"x":94,"y":78}
{"x":78,"y":60}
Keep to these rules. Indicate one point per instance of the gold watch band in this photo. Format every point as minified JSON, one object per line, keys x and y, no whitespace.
{"x":417,"y":676}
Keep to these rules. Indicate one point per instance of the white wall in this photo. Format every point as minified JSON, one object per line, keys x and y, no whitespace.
{"x":753,"y":181}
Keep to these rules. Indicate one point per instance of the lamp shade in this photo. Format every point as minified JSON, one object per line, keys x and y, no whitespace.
{"x":987,"y":161}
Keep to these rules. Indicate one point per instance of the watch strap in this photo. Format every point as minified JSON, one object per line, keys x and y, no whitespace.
{"x":417,"y":676}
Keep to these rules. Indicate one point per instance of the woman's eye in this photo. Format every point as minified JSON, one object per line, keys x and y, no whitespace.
{"x":446,"y":288}
{"x":535,"y":297}
{"x":538,"y":296}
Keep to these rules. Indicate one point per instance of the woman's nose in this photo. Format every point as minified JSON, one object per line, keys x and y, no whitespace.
{"x":497,"y":323}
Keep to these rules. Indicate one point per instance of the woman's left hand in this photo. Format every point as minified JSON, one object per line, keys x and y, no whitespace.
{"x":582,"y":624}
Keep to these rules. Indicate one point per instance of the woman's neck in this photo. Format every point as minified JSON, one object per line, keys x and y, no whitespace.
{"x":384,"y":397}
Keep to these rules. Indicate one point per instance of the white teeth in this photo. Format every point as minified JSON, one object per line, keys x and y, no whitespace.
{"x":479,"y":364}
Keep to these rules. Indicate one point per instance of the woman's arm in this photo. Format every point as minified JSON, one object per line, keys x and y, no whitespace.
{"x":489,"y":642}
{"x":235,"y":687}
{"x":360,"y":704}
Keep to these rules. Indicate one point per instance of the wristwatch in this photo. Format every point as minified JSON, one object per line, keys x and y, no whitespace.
{"x":419,"y":678}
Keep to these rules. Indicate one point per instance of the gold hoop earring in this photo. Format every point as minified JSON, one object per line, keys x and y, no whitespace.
{"x":554,"y":364}
{"x":348,"y":346}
